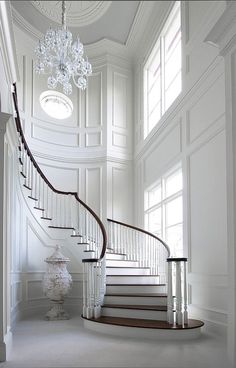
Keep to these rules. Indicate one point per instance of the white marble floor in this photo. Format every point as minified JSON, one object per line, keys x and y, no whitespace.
{"x":41,"y":344}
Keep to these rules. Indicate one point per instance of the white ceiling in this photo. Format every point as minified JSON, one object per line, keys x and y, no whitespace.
{"x":92,"y":20}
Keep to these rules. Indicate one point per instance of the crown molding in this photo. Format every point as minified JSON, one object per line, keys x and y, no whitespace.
{"x":76,"y":14}
{"x":223,"y":34}
{"x":141,"y":18}
{"x":24,"y":25}
{"x":7,"y":43}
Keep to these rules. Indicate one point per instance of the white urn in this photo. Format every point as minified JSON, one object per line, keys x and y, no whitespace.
{"x":56,"y":284}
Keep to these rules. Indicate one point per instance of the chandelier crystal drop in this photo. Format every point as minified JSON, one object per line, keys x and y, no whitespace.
{"x":64,"y":60}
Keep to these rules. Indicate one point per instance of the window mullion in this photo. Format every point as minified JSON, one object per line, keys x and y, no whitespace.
{"x":162,"y":62}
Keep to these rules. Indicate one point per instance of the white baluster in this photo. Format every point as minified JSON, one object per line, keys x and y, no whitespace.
{"x":179,"y":318}
{"x":170,"y":306}
{"x":85,"y":281}
{"x":185,"y":295}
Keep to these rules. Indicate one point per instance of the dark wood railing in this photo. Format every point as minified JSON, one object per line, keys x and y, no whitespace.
{"x":44,"y":178}
{"x":143,"y":232}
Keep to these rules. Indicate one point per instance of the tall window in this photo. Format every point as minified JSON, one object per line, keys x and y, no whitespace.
{"x":162,"y":71}
{"x":164,"y":210}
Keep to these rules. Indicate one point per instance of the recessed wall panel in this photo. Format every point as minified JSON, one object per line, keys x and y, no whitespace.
{"x":93,"y":189}
{"x":119,"y":100}
{"x":55,"y":137}
{"x":208,"y":246}
{"x":94,"y":101}
{"x":207,"y":109}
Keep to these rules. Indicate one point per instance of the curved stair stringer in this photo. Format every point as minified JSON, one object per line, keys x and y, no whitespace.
{"x":65,"y":213}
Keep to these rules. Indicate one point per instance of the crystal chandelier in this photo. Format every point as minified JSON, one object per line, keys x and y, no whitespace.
{"x":62,"y":59}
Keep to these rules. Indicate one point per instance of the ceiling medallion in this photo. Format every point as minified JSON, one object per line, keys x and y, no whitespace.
{"x":80,"y":13}
{"x":56,"y":105}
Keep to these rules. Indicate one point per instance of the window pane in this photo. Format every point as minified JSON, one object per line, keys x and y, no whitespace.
{"x":154,"y":68}
{"x":174,"y":238}
{"x":154,"y":117}
{"x":174,"y":212}
{"x":173,"y":183}
{"x":173,"y":32}
{"x":154,"y":95}
{"x":172,"y":66}
{"x":155,"y":221}
{"x":154,"y":196}
{"x":172,"y":56}
{"x":173,"y":91}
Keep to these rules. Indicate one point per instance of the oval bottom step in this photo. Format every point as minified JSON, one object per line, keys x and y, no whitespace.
{"x":141,"y":328}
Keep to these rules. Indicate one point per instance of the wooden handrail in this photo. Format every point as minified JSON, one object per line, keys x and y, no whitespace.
{"x":142,"y":231}
{"x":75,"y":194}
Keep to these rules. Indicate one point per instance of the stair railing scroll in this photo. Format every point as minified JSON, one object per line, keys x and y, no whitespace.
{"x":152,"y":252}
{"x":65,"y":210}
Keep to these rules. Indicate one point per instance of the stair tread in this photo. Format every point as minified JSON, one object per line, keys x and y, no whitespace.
{"x":61,"y":227}
{"x":135,"y":267}
{"x":118,"y":254}
{"x":146,"y":323}
{"x":139,"y":307}
{"x":109,"y":284}
{"x":151,"y":295}
{"x":132,"y":275}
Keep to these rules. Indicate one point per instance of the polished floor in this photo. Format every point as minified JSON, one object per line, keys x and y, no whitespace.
{"x":41,"y":344}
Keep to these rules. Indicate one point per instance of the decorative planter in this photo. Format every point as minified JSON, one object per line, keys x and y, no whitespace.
{"x":56,"y":283}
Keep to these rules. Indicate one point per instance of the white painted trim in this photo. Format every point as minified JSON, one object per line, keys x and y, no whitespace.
{"x":8,"y":42}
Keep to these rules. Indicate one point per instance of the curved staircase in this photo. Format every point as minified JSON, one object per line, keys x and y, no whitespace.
{"x":135,"y":302}
{"x":131,"y":285}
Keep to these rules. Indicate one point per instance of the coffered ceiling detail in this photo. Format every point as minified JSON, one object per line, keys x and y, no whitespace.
{"x":78,"y":13}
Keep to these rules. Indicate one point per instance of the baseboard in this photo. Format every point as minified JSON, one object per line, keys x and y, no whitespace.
{"x":25,"y":312}
{"x":8,"y":342}
{"x":3,"y":355}
{"x":6,"y":346}
{"x":215,"y":321}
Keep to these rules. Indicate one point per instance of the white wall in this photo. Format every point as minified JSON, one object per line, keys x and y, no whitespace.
{"x":89,"y":153}
{"x":192,"y":132}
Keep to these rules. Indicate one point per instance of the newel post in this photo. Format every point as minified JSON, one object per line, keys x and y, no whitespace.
{"x":177,"y":305}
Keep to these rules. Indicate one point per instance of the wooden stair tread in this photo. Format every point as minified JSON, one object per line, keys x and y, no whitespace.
{"x":139,"y":307}
{"x":34,"y":199}
{"x":150,"y":295}
{"x":135,"y":284}
{"x":146,"y":323}
{"x":38,"y":208}
{"x":134,"y":267}
{"x":61,"y":227}
{"x":118,"y":254}
{"x":131,"y":275}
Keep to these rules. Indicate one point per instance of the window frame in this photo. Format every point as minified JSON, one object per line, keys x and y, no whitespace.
{"x":160,"y":46}
{"x":163,"y":202}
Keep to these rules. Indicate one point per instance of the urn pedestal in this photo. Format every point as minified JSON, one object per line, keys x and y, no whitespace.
{"x":56,"y":284}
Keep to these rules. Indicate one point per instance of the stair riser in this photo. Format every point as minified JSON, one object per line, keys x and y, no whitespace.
{"x":134,"y":313}
{"x":135,"y":289}
{"x":127,"y":271}
{"x":115,"y":256}
{"x":140,"y":300}
{"x":116,"y":263}
{"x":132,"y":279}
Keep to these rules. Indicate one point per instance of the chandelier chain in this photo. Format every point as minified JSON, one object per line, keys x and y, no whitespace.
{"x":63,"y":18}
